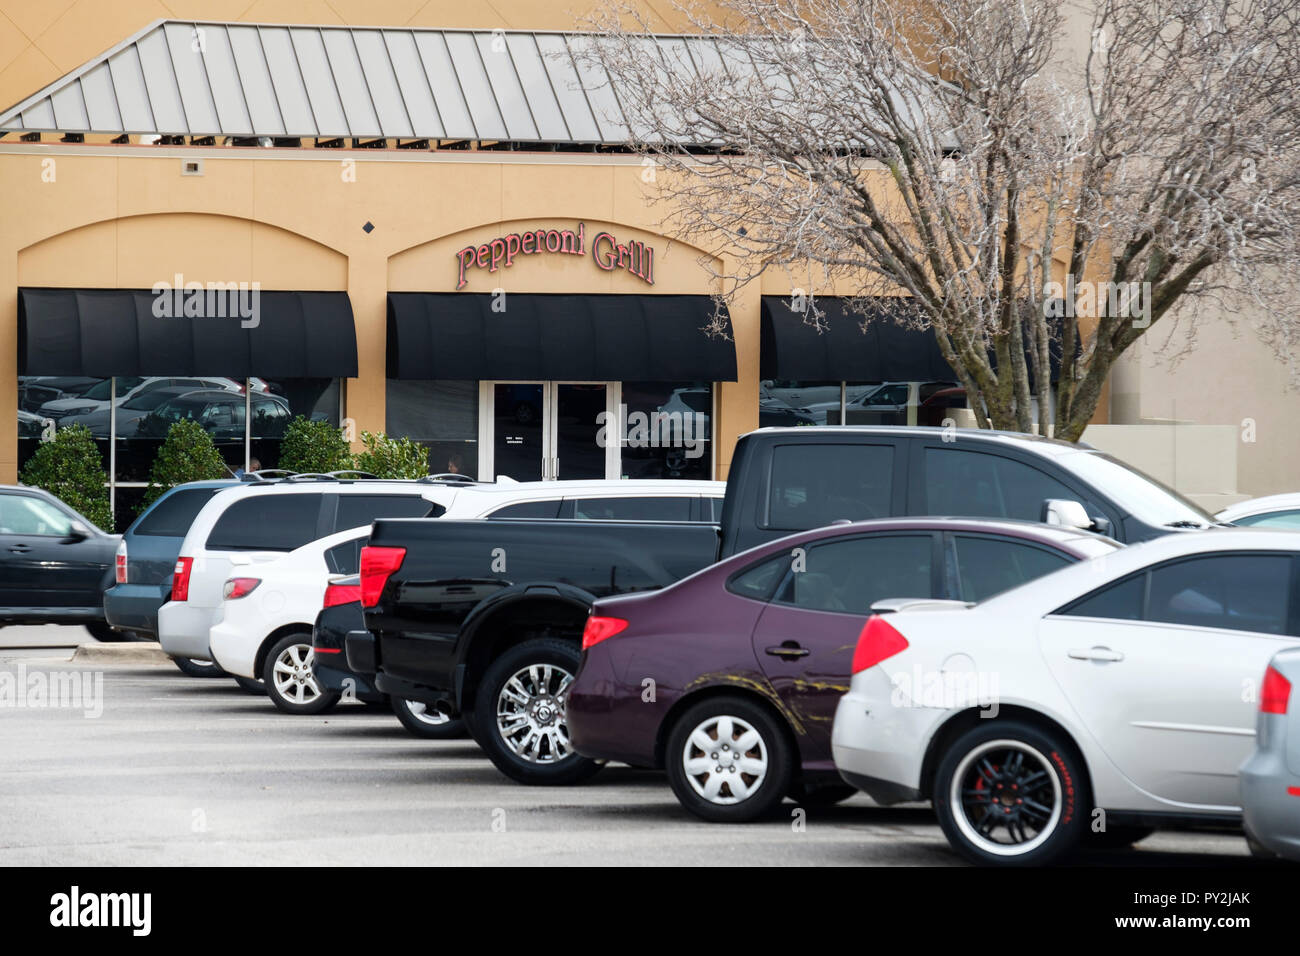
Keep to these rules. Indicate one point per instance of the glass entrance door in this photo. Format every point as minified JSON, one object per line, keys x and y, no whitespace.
{"x":518,"y":441}
{"x":548,"y":430}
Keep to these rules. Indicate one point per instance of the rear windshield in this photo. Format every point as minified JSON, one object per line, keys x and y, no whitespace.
{"x":172,"y":516}
{"x":267,"y":523}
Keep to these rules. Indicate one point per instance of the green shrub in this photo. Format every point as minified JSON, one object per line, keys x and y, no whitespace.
{"x":316,"y":447}
{"x":386,"y":457}
{"x":69,"y":467}
{"x":186,"y":454}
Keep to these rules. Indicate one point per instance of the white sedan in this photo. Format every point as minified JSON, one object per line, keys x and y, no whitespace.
{"x":1271,"y":511}
{"x":1097,"y":702}
{"x":263,"y":625}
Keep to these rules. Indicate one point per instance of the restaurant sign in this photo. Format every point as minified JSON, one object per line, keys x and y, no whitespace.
{"x":607,"y":252}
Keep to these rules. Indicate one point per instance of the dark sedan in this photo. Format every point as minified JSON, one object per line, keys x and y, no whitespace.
{"x":729,"y":678}
{"x":54,"y":564}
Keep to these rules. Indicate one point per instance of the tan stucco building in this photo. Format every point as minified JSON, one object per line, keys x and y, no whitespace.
{"x":326,"y":214}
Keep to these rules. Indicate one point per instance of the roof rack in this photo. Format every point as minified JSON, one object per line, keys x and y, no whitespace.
{"x":447,"y":476}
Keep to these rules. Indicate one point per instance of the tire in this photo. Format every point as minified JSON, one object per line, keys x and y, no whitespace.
{"x":826,"y":795}
{"x":1008,"y":759}
{"x":426,"y":722}
{"x":289,"y":682}
{"x":199,"y":668}
{"x":250,"y":685}
{"x":704,"y":772}
{"x":1116,"y":838}
{"x":527,"y":738}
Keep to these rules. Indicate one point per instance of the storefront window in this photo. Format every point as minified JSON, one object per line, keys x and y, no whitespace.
{"x":146,"y":407}
{"x":440,"y":415}
{"x":864,"y":403}
{"x":669,"y":430}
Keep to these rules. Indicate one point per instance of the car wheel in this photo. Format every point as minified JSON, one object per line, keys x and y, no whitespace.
{"x":825,"y":795}
{"x":288,"y":679}
{"x":1116,"y":838}
{"x":520,"y":714}
{"x":250,"y":684}
{"x":199,"y":668}
{"x":1007,"y":793}
{"x":729,"y":760}
{"x":427,"y":722}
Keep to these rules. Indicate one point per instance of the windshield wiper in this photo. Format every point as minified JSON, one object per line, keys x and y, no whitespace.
{"x":1185,"y":524}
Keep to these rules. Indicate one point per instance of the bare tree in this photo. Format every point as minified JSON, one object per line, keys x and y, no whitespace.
{"x":1044,"y":183}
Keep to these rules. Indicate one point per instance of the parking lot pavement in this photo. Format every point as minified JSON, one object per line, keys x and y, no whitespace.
{"x":183,"y":771}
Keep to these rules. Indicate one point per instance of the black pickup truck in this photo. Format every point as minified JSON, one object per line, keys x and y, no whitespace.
{"x":456,"y":610}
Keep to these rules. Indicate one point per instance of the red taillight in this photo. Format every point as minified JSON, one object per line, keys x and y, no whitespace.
{"x":181,"y":579}
{"x":119,"y":564}
{"x":879,"y":640}
{"x":240,"y":587}
{"x":377,"y":565}
{"x":599,"y":628}
{"x":1276,"y":693}
{"x":336,"y":594}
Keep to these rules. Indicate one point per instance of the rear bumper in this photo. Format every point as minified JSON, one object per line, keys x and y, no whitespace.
{"x":233,"y":647}
{"x":183,"y":630}
{"x":1271,"y":813}
{"x":880,"y":749}
{"x":359,"y":652}
{"x":609,"y":720}
{"x":134,"y":607}
{"x":331,"y":676}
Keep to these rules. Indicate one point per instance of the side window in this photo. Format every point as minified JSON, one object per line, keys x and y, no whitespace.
{"x":345,"y":558}
{"x":813,"y":485}
{"x":852,"y":574}
{"x":989,"y":566}
{"x":1121,"y":601}
{"x":529,"y":509}
{"x":172,"y":516}
{"x":267,"y":523}
{"x":357,"y":510}
{"x":980,"y":485}
{"x":23,"y":514}
{"x":1275,"y":519}
{"x":1241,"y":592}
{"x":758,"y":581}
{"x":646,"y":508}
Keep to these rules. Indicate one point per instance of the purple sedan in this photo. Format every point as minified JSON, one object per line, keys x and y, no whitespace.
{"x":729,"y":678}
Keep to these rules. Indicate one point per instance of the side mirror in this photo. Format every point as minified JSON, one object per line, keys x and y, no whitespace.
{"x":1066,"y":513}
{"x":78,"y":531}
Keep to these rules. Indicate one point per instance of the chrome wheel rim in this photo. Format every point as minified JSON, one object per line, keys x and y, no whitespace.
{"x":1006,"y":798}
{"x":725,"y":759}
{"x":294,"y":680}
{"x":531,"y":713}
{"x":424,"y":713}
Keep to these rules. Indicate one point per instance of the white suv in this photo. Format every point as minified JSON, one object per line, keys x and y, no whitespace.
{"x":261,"y":521}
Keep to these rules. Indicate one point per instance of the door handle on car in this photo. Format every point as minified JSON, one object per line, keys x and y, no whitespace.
{"x":790,"y":649}
{"x":1094,"y":654}
{"x":21,"y":548}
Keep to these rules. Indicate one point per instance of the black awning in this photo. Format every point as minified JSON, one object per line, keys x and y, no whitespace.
{"x":629,"y":338}
{"x":104,"y":332}
{"x":885,"y":351}
{"x":844,"y":351}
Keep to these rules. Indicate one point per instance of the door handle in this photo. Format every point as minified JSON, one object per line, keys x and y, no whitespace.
{"x":790,"y":650}
{"x":21,"y":548}
{"x":1094,"y":654}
